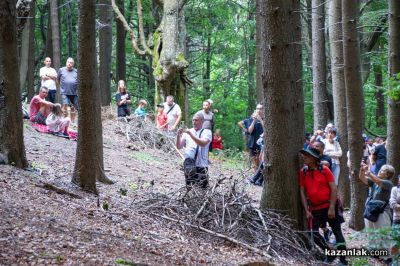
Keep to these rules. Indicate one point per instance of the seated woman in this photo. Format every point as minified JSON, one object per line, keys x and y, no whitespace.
{"x":56,"y":122}
{"x":123,"y":100}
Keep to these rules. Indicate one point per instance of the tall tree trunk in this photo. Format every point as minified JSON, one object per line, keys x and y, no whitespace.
{"x":259,"y":85}
{"x":380,"y":99}
{"x":24,"y":55}
{"x":339,"y":93}
{"x":207,"y":68}
{"x":105,"y":39}
{"x":251,"y":65}
{"x":320,"y":93}
{"x":55,"y":36}
{"x":49,"y":40}
{"x":355,"y":115}
{"x":89,"y":152}
{"x":31,"y":59}
{"x":121,"y":54}
{"x":394,"y":69}
{"x":70,"y":30}
{"x":284,"y":114}
{"x":12,"y":148}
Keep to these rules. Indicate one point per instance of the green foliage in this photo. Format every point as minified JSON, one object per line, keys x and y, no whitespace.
{"x":121,"y":261}
{"x":105,"y":206}
{"x":123,"y":191}
{"x":393,"y":90}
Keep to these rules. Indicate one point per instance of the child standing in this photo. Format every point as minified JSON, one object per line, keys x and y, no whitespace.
{"x":161,"y":118}
{"x":56,"y":123}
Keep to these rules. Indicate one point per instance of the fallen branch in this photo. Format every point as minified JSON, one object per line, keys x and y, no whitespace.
{"x":57,"y":190}
{"x":233,"y":240}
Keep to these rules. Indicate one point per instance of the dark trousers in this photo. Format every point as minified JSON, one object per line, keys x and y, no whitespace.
{"x":321,"y":217}
{"x":200,"y":178}
{"x":52,"y":96}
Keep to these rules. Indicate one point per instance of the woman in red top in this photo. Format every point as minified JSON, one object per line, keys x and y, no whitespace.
{"x":217,"y":140}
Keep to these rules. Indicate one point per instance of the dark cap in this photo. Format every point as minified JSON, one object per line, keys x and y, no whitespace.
{"x":311,"y":151}
{"x":160,"y":105}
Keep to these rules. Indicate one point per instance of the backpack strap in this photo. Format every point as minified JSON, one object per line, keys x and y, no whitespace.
{"x":197,"y":147}
{"x":171,"y":108}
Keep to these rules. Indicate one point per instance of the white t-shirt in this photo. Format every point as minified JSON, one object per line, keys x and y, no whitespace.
{"x":173,"y":114}
{"x":49,"y":83}
{"x":333,"y":150}
{"x":190,"y":147}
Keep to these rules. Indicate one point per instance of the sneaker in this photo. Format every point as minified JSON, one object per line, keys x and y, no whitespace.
{"x":327,"y":235}
{"x":329,"y":259}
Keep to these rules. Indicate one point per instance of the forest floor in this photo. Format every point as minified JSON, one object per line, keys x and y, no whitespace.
{"x":40,"y":227}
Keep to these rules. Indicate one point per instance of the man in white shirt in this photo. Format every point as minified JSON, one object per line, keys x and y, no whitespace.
{"x":173,"y":112}
{"x":48,"y":76}
{"x":196,"y":142}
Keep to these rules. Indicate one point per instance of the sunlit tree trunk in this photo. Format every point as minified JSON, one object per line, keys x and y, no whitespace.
{"x":394,"y":69}
{"x":339,"y":93}
{"x":355,"y":112}
{"x":283,"y":95}
{"x":89,"y":165}
{"x":12,"y":149}
{"x":320,"y":93}
{"x":105,"y":43}
{"x":167,"y":50}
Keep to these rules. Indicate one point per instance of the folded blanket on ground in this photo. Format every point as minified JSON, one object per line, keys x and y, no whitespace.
{"x":72,"y":135}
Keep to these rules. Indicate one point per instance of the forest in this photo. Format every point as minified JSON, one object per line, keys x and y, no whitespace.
{"x":307,"y":62}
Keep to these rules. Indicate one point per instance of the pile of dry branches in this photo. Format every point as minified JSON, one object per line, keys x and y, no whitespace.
{"x":225,"y":211}
{"x":144,"y":134}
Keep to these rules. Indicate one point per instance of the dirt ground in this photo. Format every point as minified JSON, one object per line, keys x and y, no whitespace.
{"x":41,"y":227}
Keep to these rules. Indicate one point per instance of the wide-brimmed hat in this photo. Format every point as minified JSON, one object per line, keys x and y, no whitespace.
{"x":311,"y":151}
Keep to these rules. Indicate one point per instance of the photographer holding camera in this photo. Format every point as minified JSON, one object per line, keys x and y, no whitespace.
{"x":196,"y":142}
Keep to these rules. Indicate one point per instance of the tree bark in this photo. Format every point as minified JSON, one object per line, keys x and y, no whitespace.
{"x":380,"y":98}
{"x":251,"y":59}
{"x":31,"y":59}
{"x":320,"y":93}
{"x":55,"y":36}
{"x":259,"y":85}
{"x":24,"y":55}
{"x":105,"y":43}
{"x":89,"y":153}
{"x":167,"y":49}
{"x":121,"y":54}
{"x":339,"y":93}
{"x":12,"y":148}
{"x":283,"y":95}
{"x":394,"y":69}
{"x":355,"y":117}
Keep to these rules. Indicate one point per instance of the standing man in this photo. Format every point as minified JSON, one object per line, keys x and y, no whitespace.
{"x":48,"y":77}
{"x":39,"y":108}
{"x":173,"y":112}
{"x":68,"y":79}
{"x":196,"y":142}
{"x":318,"y":196}
{"x":208,"y":118}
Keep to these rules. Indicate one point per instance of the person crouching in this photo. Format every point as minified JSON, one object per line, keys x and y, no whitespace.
{"x":196,"y":142}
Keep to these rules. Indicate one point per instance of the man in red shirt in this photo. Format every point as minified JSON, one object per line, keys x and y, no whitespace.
{"x":39,"y":108}
{"x":318,"y":197}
